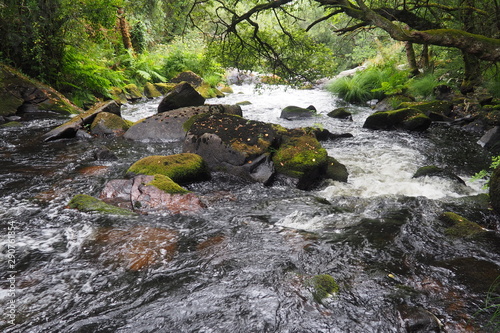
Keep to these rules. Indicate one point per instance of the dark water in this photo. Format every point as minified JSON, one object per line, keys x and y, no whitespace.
{"x":246,"y":262}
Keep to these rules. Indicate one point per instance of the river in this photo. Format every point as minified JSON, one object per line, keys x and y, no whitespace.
{"x":243,"y":264}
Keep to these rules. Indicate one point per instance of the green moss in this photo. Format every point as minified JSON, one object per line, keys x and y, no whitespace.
{"x":324,"y":286}
{"x":336,"y":170}
{"x":132,"y":91}
{"x":460,"y":226}
{"x":167,"y":185}
{"x":187,"y":125}
{"x":165,"y":88}
{"x":151,"y":91}
{"x":87,"y":203}
{"x":298,"y":155}
{"x":181,"y":168}
{"x":110,"y":121}
{"x":12,"y":124}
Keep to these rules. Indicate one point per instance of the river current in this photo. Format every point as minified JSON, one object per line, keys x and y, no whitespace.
{"x":244,"y":264}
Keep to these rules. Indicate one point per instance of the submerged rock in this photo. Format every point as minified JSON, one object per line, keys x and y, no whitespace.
{"x":135,"y":248}
{"x":495,"y":189}
{"x":324,"y":286}
{"x":173,"y":125}
{"x":419,"y":320}
{"x":408,"y":119}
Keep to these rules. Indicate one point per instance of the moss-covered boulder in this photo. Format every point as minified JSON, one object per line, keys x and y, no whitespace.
{"x":233,"y":144}
{"x":434,"y":171}
{"x":181,"y":96}
{"x":336,"y":170}
{"x":207,"y":91}
{"x":118,"y":95}
{"x":324,"y":286}
{"x":294,"y":112}
{"x":340,"y":113}
{"x":108,"y":124}
{"x":11,"y":124}
{"x":167,"y":185}
{"x":17,"y":89}
{"x":182,"y":168}
{"x":87,"y":203}
{"x":132,"y":92}
{"x":82,"y":121}
{"x":301,"y":156}
{"x":459,"y":226}
{"x":435,"y":110}
{"x":173,"y":125}
{"x":150,"y":91}
{"x":165,"y":88}
{"x":407,"y":118}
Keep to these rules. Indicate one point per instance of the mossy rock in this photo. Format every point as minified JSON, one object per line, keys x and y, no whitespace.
{"x":340,"y":113}
{"x":208,"y":91}
{"x":224,"y":88}
{"x":167,"y":185}
{"x":182,"y":168}
{"x":132,"y":92}
{"x":324,"y":286}
{"x":408,"y":118}
{"x":11,"y":124}
{"x":294,"y":112}
{"x":300,"y":155}
{"x":150,"y":91}
{"x":16,"y":89}
{"x":118,"y":95}
{"x":87,"y":203}
{"x":336,"y":170}
{"x":165,"y":88}
{"x":190,"y":77}
{"x":459,"y":226}
{"x":436,"y":110}
{"x":109,"y":124}
{"x":434,"y":171}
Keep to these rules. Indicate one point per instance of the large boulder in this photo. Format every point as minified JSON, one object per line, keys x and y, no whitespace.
{"x":301,"y":157}
{"x":80,"y":122}
{"x":182,"y":95}
{"x":233,"y":144}
{"x":171,"y":126}
{"x":182,"y":168}
{"x":435,"y":110}
{"x":407,"y":118}
{"x":18,"y":91}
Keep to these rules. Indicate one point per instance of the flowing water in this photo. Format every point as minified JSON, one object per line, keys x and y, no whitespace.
{"x":245,"y":263}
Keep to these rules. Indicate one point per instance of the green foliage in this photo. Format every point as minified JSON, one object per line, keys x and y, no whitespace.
{"x":492,"y":305}
{"x":486,"y":174}
{"x":422,"y":87}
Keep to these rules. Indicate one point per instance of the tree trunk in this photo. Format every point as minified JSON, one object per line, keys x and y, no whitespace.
{"x":124,"y":30}
{"x":472,"y":75}
{"x":425,"y":59}
{"x":412,"y":60}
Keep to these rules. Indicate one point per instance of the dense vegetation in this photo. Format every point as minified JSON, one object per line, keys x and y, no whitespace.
{"x":84,"y":48}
